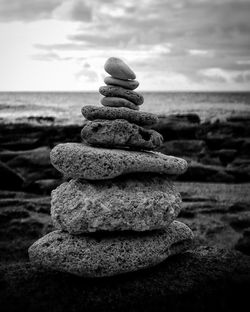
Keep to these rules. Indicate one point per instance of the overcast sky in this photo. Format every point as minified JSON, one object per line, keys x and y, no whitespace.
{"x":170,"y":44}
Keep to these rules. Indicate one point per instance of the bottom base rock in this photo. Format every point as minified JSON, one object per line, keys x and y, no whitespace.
{"x":105,"y":254}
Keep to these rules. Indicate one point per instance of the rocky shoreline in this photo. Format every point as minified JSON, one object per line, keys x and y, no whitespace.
{"x":216,"y":206}
{"x":216,"y":151}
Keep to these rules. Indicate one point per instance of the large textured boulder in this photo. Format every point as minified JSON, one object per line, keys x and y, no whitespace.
{"x":138,"y":203}
{"x":110,"y":254}
{"x":77,"y":160}
{"x":120,"y":133}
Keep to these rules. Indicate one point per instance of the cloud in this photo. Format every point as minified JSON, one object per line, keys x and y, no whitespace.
{"x":187,"y":39}
{"x":32,"y":10}
{"x":26,"y":10}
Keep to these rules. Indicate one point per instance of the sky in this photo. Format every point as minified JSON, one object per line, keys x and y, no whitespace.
{"x":172,"y":45}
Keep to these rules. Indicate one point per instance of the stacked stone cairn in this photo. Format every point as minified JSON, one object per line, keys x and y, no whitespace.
{"x":117,"y":213}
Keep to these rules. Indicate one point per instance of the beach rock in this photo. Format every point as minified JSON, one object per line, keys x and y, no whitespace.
{"x":91,"y":112}
{"x":110,"y":254}
{"x":119,"y":133}
{"x":134,"y":202}
{"x":243,"y":243}
{"x":33,"y":164}
{"x":118,"y":102}
{"x":226,"y":155}
{"x":118,"y":69}
{"x":206,"y":173}
{"x":9,"y":179}
{"x":113,"y":91}
{"x":77,"y":160}
{"x":183,"y":147}
{"x":174,"y":127}
{"x":127,"y":84}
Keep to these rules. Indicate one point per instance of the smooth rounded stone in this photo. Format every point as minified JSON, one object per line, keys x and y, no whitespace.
{"x":118,"y":68}
{"x":92,"y":112}
{"x":118,"y":102}
{"x":109,"y":254}
{"x":120,"y":133}
{"x":76,"y":160}
{"x":127,"y":84}
{"x":113,"y":91}
{"x":134,"y":202}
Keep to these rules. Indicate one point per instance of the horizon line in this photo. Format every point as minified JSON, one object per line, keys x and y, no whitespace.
{"x":93,"y":91}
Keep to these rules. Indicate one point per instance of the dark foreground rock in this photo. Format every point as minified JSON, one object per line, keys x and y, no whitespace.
{"x":206,"y":279}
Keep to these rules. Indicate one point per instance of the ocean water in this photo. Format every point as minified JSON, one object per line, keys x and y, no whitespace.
{"x":65,"y":107}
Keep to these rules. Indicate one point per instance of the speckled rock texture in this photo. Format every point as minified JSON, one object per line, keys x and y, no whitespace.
{"x":118,"y":69}
{"x":115,"y":91}
{"x":120,"y":133}
{"x":138,"y":203}
{"x":118,"y":102}
{"x":127,"y":84}
{"x":110,"y":254}
{"x":76,"y":160}
{"x":92,"y":112}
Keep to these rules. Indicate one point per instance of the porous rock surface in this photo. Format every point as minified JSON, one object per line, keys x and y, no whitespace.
{"x":107,"y":255}
{"x":115,"y":91}
{"x":120,"y":133}
{"x":127,"y":84}
{"x":92,"y":112}
{"x":118,"y":102}
{"x":119,"y":69}
{"x":76,"y":160}
{"x":137,"y":203}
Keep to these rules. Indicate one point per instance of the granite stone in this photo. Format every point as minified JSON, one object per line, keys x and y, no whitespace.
{"x":120,"y":133}
{"x":114,"y":91}
{"x":139,"y":202}
{"x":76,"y":160}
{"x":92,"y":112}
{"x":110,"y":254}
{"x":127,"y":84}
{"x":118,"y":68}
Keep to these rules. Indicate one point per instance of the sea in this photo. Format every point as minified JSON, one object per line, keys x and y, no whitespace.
{"x":65,"y":107}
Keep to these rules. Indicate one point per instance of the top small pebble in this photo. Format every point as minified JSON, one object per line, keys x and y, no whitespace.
{"x":118,"y":69}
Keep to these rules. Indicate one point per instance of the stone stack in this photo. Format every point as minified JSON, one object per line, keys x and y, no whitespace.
{"x":117,"y":213}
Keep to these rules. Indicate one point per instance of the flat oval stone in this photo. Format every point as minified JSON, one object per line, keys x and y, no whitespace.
{"x":118,"y":102}
{"x":118,"y":69}
{"x":120,"y":133}
{"x":113,"y":91}
{"x":76,"y":160}
{"x":127,"y":84}
{"x":109,"y":254}
{"x":92,"y":112}
{"x":139,"y":202}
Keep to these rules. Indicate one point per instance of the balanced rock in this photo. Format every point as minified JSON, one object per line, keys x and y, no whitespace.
{"x":127,"y":84}
{"x":120,"y":133}
{"x":113,"y":91}
{"x":138,"y":203}
{"x":92,"y":112}
{"x":77,"y":160}
{"x":118,"y":69}
{"x":118,"y":102}
{"x":109,"y":254}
